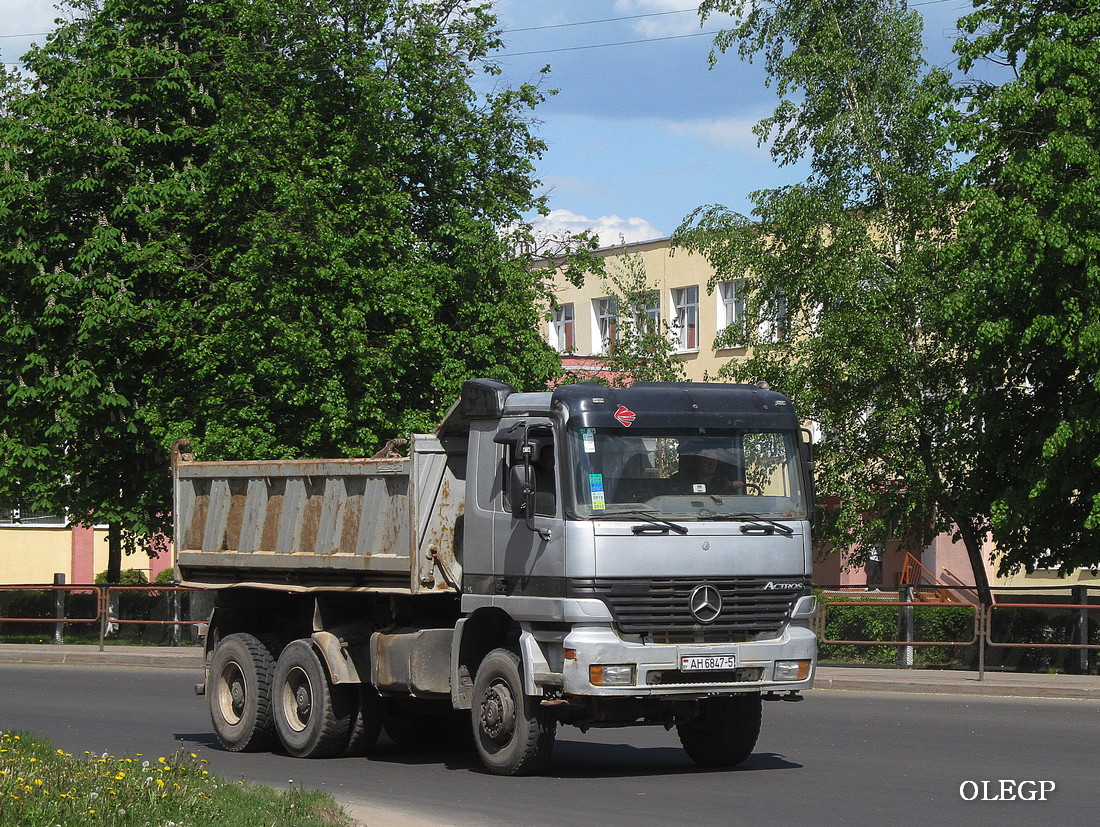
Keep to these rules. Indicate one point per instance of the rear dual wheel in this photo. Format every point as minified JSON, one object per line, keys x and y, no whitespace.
{"x":313,"y":716}
{"x":242,"y":671}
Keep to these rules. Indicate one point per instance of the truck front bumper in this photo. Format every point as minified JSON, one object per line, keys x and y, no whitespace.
{"x":598,"y":662}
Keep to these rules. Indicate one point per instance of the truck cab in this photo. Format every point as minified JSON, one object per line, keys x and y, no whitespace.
{"x":659,"y":570}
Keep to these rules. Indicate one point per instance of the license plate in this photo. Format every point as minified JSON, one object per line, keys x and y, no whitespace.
{"x":706,"y":663}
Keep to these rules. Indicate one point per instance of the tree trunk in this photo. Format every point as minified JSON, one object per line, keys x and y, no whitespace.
{"x":977,"y":562}
{"x":114,"y":553}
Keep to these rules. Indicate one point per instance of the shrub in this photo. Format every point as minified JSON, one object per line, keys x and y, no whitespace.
{"x":127,"y":577}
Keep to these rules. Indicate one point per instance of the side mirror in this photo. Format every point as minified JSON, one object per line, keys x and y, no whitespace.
{"x":521,"y":491}
{"x":806,"y":448}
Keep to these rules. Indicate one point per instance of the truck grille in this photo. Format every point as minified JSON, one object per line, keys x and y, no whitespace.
{"x":659,"y":608}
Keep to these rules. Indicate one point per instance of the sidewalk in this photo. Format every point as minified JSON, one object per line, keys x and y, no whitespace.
{"x":839,"y":678}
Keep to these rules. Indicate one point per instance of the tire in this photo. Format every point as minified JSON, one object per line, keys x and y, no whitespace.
{"x":725,"y":732}
{"x":241,"y":674}
{"x":513,"y":734}
{"x":312,"y":716}
{"x":366,"y":722}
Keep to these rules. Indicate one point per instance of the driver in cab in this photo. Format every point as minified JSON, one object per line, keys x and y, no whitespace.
{"x":703,"y":472}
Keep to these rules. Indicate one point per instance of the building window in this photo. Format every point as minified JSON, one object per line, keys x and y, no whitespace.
{"x":731,"y":306}
{"x":606,"y":312}
{"x":773,"y":324}
{"x":10,"y":516}
{"x":644,"y":313}
{"x":649,"y":312}
{"x":562,"y":329}
{"x":685,"y":327}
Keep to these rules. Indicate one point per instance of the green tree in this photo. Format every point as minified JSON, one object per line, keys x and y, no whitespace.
{"x":276,"y":227}
{"x":1028,"y":263}
{"x":640,"y":347}
{"x":844,"y":312}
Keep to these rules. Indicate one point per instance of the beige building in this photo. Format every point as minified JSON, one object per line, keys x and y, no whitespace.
{"x":585,"y":321}
{"x":36,"y":547}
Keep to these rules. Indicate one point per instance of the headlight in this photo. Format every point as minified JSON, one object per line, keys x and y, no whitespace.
{"x":792,"y":670}
{"x":619,"y":674}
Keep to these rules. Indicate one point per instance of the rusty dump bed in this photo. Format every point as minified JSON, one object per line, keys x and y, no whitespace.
{"x":362,"y":524}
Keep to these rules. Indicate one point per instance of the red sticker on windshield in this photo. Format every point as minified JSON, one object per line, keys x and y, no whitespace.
{"x":625,"y":416}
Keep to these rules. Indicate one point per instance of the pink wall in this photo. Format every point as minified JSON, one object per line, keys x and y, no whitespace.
{"x":84,"y":563}
{"x":83,"y":559}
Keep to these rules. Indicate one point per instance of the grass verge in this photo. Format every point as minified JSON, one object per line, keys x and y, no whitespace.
{"x":41,"y":786}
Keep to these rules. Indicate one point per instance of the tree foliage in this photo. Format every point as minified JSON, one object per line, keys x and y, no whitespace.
{"x":1028,"y":262}
{"x":642,"y":348}
{"x":844,"y":313}
{"x":275,"y":227}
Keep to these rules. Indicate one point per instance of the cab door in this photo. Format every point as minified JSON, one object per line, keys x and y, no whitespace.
{"x":529,"y":552}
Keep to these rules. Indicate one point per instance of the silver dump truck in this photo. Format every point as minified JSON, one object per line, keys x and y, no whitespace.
{"x":587,"y":556}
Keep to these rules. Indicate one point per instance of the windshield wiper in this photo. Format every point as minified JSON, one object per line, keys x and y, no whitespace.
{"x":745,"y":515}
{"x":644,"y":515}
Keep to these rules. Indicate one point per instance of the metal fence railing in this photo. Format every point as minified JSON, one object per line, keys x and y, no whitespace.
{"x":1024,"y":629}
{"x":158,"y":613}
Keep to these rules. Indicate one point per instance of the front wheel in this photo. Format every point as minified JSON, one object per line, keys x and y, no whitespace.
{"x":313,"y":716}
{"x":239,"y":693}
{"x":725,"y":732}
{"x":513,"y":734}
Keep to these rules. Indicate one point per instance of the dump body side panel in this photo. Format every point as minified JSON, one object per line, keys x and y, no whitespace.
{"x":320,"y":524}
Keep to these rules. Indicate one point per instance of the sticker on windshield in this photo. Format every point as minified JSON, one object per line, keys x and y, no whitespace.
{"x":588,"y":437}
{"x":595,"y":486}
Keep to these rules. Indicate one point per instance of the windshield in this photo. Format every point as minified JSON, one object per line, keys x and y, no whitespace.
{"x":693,"y":473}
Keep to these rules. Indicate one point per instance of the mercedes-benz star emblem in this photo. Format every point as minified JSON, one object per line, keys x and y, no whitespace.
{"x":705,"y":604}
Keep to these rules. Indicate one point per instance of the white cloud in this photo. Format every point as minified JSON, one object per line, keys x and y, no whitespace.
{"x":23,"y":17}
{"x":611,"y":229}
{"x":725,"y":134}
{"x":21,"y":23}
{"x":664,"y":24}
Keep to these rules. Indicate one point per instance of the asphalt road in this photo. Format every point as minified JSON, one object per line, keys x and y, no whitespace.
{"x":858,"y":758}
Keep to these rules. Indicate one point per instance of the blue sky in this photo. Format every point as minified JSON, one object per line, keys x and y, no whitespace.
{"x":641,"y":132}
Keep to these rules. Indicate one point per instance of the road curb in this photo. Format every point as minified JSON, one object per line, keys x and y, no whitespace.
{"x":972,"y":687}
{"x":190,"y":658}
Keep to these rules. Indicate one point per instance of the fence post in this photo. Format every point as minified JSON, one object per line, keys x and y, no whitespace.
{"x":905,"y":625}
{"x":59,"y":608}
{"x":175,"y":602}
{"x":104,"y":613}
{"x":1081,"y":629}
{"x":985,"y":622}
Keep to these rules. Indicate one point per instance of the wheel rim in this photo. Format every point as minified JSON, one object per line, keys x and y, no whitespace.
{"x":232,"y":693}
{"x":498,"y":713}
{"x":297,"y":699}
